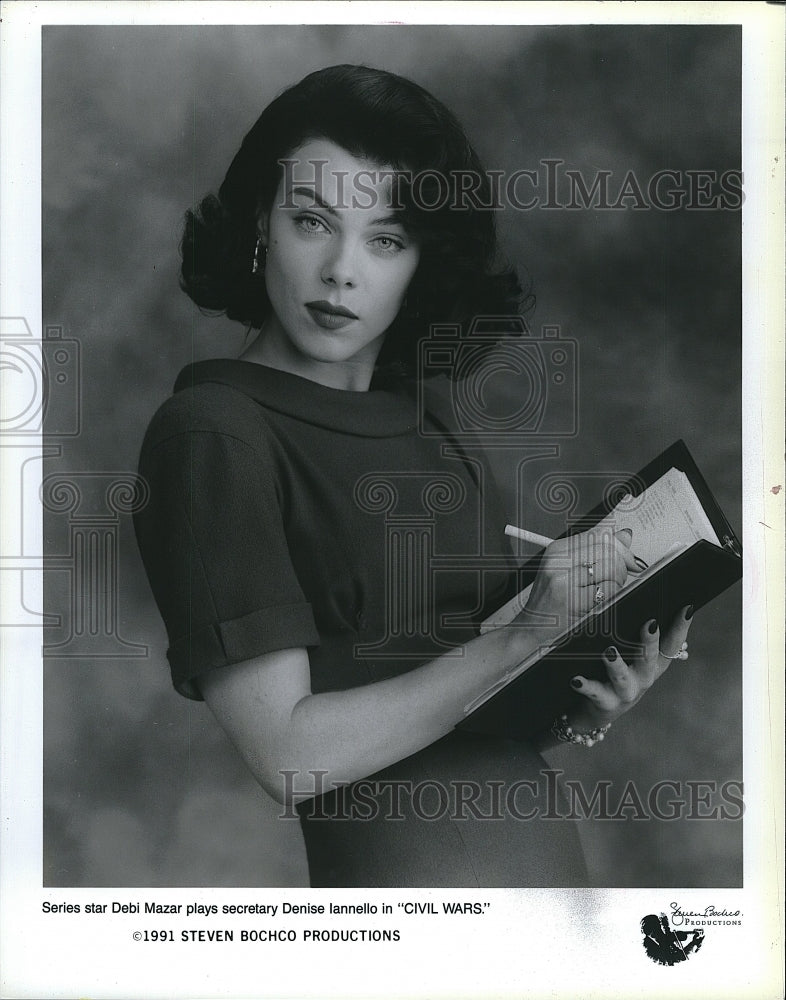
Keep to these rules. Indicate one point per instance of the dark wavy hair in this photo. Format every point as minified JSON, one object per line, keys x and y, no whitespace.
{"x":389,"y":120}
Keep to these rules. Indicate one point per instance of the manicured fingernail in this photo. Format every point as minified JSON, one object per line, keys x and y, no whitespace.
{"x":626,"y":531}
{"x":652,"y":628}
{"x":689,"y":613}
{"x":575,"y":682}
{"x":641,"y":563}
{"x":610,"y":653}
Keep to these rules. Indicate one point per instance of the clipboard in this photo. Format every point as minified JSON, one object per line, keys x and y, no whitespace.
{"x":528,"y":703}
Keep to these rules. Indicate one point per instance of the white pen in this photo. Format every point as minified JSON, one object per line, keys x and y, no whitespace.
{"x":528,"y":536}
{"x":543,"y":540}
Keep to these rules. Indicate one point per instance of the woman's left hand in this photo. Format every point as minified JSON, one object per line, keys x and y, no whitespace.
{"x":627,"y":682}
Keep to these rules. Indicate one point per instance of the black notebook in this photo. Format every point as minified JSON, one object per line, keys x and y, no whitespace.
{"x":693,"y":555}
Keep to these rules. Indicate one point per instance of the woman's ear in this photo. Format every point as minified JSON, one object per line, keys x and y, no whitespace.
{"x":263,"y":219}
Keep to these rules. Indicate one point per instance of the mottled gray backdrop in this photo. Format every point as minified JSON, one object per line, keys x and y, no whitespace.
{"x":141,"y":787}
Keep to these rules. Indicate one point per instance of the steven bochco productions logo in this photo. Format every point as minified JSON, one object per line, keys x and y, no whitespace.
{"x":666,"y":946}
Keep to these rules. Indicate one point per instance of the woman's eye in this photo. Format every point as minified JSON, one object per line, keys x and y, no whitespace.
{"x":311,"y":224}
{"x":388,"y":244}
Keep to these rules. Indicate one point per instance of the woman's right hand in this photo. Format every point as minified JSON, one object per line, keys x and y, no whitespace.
{"x":578,"y":572}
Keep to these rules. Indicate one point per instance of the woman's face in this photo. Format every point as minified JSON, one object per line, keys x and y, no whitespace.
{"x":338,"y":266}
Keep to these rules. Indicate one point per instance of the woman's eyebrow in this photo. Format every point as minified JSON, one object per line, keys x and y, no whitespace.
{"x":391,"y":219}
{"x":310,"y":192}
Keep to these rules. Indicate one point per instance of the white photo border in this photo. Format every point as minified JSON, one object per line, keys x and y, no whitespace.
{"x":79,"y":957}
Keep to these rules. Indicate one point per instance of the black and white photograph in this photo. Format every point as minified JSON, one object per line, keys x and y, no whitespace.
{"x":379,"y":532}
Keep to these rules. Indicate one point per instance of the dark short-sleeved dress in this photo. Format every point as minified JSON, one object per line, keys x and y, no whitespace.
{"x":283,"y":513}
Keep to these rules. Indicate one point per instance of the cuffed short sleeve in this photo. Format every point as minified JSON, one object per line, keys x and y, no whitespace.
{"x":213,"y":543}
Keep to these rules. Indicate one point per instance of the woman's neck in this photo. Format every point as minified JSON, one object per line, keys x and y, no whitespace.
{"x":353,"y":374}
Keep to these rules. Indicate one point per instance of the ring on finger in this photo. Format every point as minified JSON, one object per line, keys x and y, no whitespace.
{"x":599,"y":596}
{"x":590,"y":568}
{"x":681,"y":654}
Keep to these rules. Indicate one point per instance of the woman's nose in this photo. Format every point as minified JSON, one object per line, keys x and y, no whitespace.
{"x":339,"y":266}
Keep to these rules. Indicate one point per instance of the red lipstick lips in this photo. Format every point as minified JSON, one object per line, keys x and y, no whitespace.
{"x":330,"y":316}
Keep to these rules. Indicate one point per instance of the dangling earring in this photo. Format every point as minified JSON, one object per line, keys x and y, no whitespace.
{"x":258,"y":266}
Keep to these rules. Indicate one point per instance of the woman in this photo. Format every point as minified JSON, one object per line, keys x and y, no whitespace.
{"x":320,"y":545}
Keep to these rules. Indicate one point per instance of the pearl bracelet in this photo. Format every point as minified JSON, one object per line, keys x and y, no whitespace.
{"x":565,"y":733}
